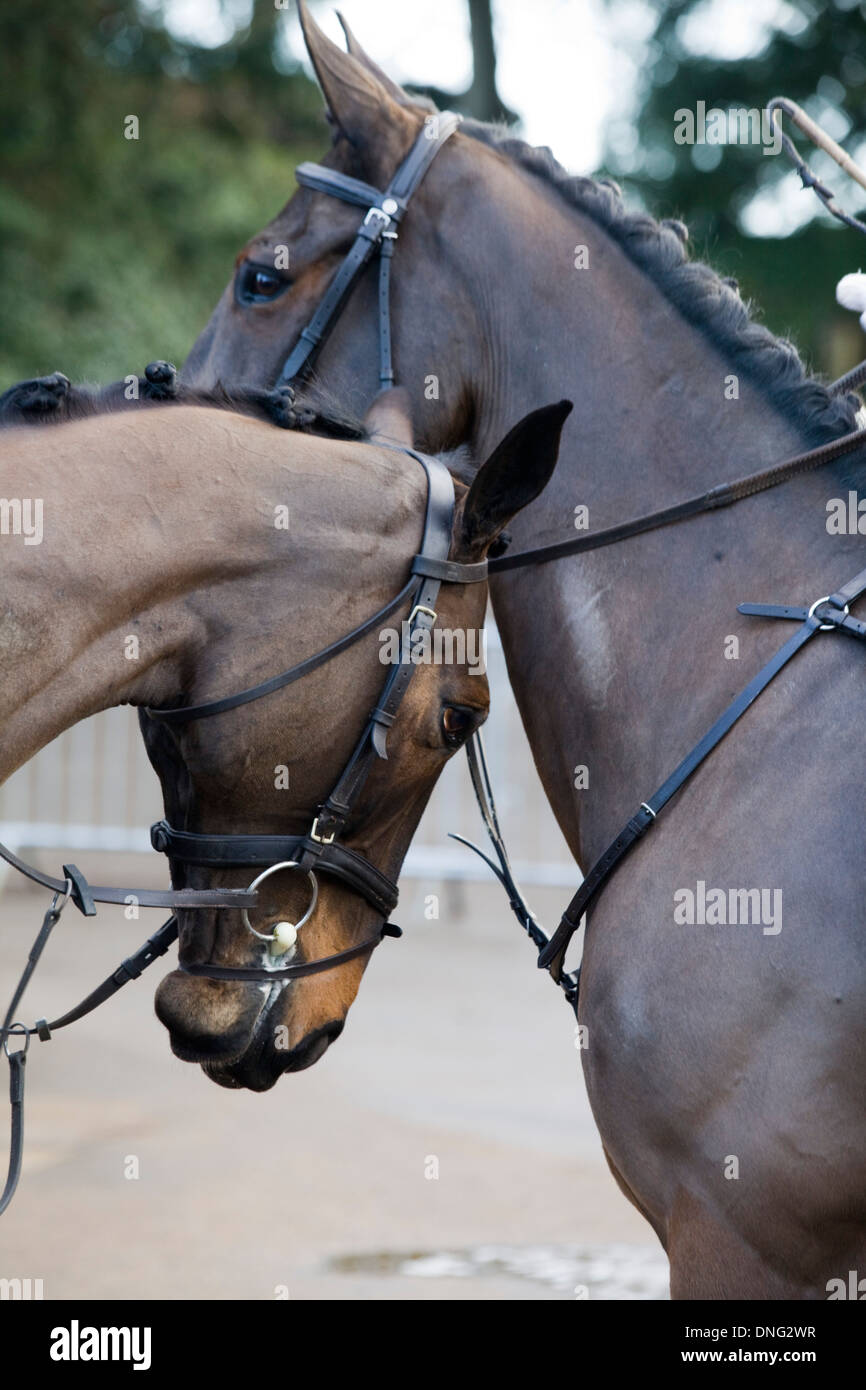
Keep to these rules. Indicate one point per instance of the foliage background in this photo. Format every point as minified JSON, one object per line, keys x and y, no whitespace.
{"x":113,"y":251}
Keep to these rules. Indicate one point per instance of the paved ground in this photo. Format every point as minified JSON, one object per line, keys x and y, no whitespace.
{"x":456,"y":1048}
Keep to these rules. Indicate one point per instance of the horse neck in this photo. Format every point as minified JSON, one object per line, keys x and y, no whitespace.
{"x":617,"y":657}
{"x":95,"y":614}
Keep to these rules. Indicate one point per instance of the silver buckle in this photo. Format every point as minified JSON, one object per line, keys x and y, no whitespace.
{"x":422,"y":608}
{"x":377,"y":212}
{"x":322,"y":839}
{"x":825,"y":627}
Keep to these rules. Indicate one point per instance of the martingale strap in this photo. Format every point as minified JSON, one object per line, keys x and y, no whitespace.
{"x":481,"y":785}
{"x":826,"y":614}
{"x":376,"y":234}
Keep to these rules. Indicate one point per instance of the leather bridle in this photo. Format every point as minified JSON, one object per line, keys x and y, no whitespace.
{"x":319,"y":850}
{"x":377,"y":234}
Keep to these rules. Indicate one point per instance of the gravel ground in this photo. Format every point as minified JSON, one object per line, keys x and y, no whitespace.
{"x":456,"y":1048}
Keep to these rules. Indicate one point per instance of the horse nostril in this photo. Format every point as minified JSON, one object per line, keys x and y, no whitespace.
{"x":205,"y":1020}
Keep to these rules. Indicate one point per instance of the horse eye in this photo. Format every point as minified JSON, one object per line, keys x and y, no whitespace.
{"x":257,"y":283}
{"x":457,"y":724}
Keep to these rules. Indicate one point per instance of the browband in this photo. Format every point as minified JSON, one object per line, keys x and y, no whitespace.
{"x":377,"y":233}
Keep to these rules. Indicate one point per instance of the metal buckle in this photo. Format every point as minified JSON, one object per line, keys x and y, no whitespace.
{"x":322,"y":839}
{"x":826,"y":627}
{"x":377,"y":212}
{"x":422,"y":608}
{"x":17,"y":1030}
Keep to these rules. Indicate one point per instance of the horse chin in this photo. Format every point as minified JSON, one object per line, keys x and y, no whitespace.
{"x":260,"y":1067}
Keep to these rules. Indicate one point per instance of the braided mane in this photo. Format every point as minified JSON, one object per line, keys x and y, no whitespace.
{"x":694,"y":288}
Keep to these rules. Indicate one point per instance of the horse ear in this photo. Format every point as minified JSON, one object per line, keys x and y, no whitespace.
{"x":513,"y":476}
{"x":375,"y":124}
{"x":390,"y":417}
{"x":392,"y":88}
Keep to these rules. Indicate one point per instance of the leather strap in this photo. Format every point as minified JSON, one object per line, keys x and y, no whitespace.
{"x":129,"y":969}
{"x":449,"y":571}
{"x":289,"y":972}
{"x":323,"y":180}
{"x":144,"y":897}
{"x":386,"y":364}
{"x":183,"y":714}
{"x":722,"y":496}
{"x":17,"y":1061}
{"x":553,"y":955}
{"x":377,"y":233}
{"x":481,"y":785}
{"x":257,"y":851}
{"x":367,"y":240}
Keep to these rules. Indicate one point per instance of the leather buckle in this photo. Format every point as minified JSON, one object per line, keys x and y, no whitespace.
{"x":422,"y":608}
{"x":825,"y":627}
{"x":322,"y":839}
{"x":377,"y":212}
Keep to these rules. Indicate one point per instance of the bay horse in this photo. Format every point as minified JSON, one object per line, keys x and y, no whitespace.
{"x":164,"y":578}
{"x":726,"y":1067}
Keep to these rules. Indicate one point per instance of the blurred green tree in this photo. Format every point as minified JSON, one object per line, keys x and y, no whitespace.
{"x":114,"y":250}
{"x":813,"y":53}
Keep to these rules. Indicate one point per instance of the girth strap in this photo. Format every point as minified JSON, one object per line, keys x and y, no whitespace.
{"x":553,"y":955}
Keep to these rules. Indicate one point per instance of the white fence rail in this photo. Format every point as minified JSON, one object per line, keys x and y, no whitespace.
{"x":93,"y":789}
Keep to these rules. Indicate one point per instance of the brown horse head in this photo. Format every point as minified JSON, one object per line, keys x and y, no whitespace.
{"x":263,"y":768}
{"x":267,"y":303}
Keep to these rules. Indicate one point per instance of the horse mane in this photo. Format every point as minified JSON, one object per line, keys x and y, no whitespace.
{"x":694,"y":288}
{"x":45,"y":402}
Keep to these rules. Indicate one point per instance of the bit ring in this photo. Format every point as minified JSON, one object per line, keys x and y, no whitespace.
{"x":285,"y":864}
